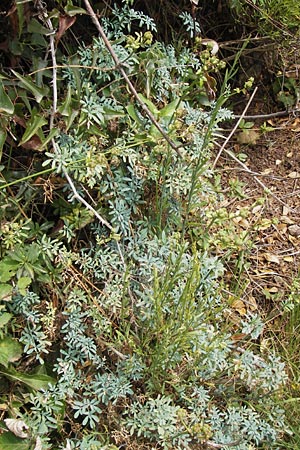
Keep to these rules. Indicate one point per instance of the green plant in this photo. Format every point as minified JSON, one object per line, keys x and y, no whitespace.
{"x":269,"y":14}
{"x":110,"y":287}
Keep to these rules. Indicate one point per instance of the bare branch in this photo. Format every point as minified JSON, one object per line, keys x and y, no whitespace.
{"x":234,"y":128}
{"x":214,"y":445}
{"x":270,"y":115}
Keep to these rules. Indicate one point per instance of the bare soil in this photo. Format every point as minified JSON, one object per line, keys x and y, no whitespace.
{"x":274,"y":157}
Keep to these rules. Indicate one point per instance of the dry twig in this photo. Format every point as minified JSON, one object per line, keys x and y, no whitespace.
{"x":53,"y":112}
{"x":234,"y":128}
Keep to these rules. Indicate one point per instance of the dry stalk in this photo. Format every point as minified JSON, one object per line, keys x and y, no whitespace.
{"x":234,"y":128}
{"x":76,"y":194}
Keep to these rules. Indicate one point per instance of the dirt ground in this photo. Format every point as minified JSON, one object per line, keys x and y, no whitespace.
{"x":274,"y":158}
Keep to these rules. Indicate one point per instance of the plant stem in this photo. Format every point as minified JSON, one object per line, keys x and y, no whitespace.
{"x":127,"y":80}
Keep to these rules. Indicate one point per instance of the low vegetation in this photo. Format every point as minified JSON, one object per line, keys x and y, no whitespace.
{"x":120,"y":263}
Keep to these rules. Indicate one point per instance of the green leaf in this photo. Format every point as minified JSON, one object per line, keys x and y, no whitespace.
{"x":72,"y":10}
{"x":21,"y":16}
{"x":93,"y":129}
{"x":38,"y":41}
{"x":65,"y":108}
{"x":8,"y":269}
{"x":169,"y":110}
{"x":5,"y":291}
{"x":50,"y":136}
{"x":150,"y":105}
{"x":9,"y":441}
{"x":6,"y":105}
{"x":71,"y":118}
{"x":28,"y":84}
{"x":35,"y":26}
{"x":16,"y":47}
{"x":4,"y":319}
{"x":3,"y":135}
{"x":110,"y":113}
{"x":39,"y":66}
{"x":133,"y":114}
{"x":23,"y":284}
{"x":10,"y":351}
{"x":35,"y":123}
{"x":33,"y":381}
{"x":54,"y":14}
{"x":286,"y":98}
{"x":33,"y":252}
{"x":154,"y":133}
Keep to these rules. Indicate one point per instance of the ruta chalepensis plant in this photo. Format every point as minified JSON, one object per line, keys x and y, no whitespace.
{"x":114,"y":329}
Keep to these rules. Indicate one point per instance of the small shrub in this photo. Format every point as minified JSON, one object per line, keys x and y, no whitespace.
{"x":122,"y":321}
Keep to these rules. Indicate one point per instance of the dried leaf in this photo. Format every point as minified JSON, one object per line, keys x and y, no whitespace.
{"x":267,"y":171}
{"x":285,"y":210}
{"x":294,"y":175}
{"x":256,"y":209}
{"x":272,"y":290}
{"x":65,"y":22}
{"x":68,"y":446}
{"x":264,"y":224}
{"x":286,"y":220}
{"x":248,"y":137}
{"x":238,"y":337}
{"x":17,"y":427}
{"x":270,"y":257}
{"x":251,"y":303}
{"x":38,"y":444}
{"x":294,"y":230}
{"x":244,"y":223}
{"x":239,"y":306}
{"x":34,"y":143}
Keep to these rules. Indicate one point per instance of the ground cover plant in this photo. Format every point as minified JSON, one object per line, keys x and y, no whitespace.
{"x":115,"y":312}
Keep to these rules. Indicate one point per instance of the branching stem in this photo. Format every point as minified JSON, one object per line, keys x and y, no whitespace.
{"x":54,"y":143}
{"x":132,"y":89}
